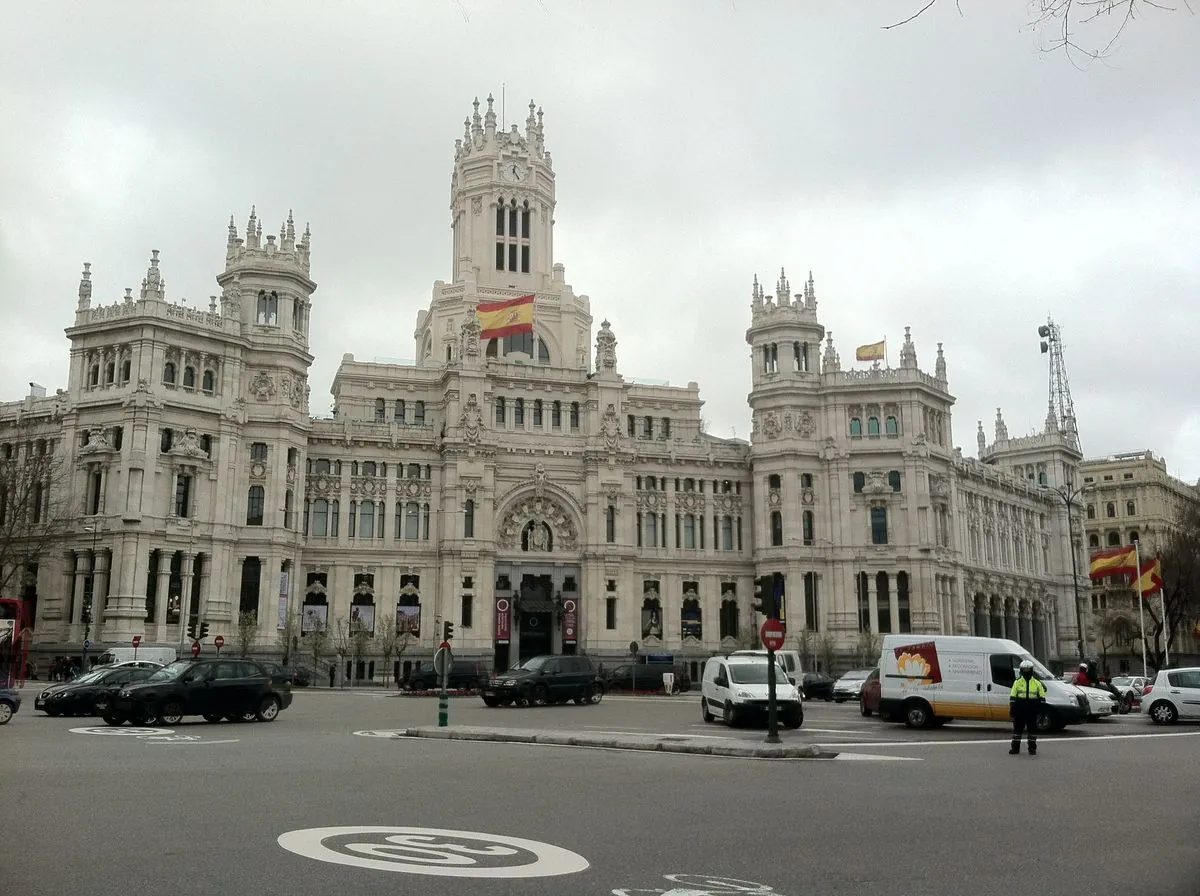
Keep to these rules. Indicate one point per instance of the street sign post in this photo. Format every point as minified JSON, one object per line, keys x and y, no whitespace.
{"x":219,"y":642}
{"x":443,"y":659}
{"x":195,"y":648}
{"x":772,"y":634}
{"x":137,"y":641}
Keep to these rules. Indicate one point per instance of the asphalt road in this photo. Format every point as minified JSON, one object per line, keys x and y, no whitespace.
{"x":243,"y":809}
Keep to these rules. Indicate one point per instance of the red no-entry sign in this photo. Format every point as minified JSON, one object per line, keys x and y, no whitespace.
{"x":137,"y":639}
{"x":773,"y":634}
{"x":195,"y":648}
{"x":219,"y":641}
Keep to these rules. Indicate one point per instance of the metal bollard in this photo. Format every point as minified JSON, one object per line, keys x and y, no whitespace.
{"x":443,"y":710}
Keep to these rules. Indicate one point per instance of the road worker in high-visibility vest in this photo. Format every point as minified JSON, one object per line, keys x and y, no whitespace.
{"x":1024,"y":701}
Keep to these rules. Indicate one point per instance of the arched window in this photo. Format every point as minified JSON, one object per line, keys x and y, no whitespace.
{"x":537,"y":412}
{"x":255,"y":503}
{"x":891,"y":426}
{"x":268,"y":308}
{"x":872,"y":426}
{"x":776,"y":529}
{"x":169,"y":373}
{"x":1114,"y":539}
{"x":380,"y":411}
{"x":860,"y":480}
{"x":500,"y":410}
{"x":519,"y":412}
{"x":126,"y":370}
{"x":556,"y":415}
{"x":855,"y":426}
{"x":189,"y":377}
{"x":1110,"y":510}
{"x":398,"y":410}
{"x":1133,"y":536}
{"x":894,"y":480}
{"x":1091,"y":511}
{"x":419,"y":413}
{"x":209,"y":382}
{"x":1130,"y":508}
{"x":110,"y":373}
{"x":1093,"y":541}
{"x":574,"y":415}
{"x":94,"y":375}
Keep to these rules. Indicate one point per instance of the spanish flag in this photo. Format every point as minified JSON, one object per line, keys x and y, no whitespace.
{"x":876,"y":351}
{"x":1150,"y":581}
{"x":506,"y":318}
{"x":1120,"y":561}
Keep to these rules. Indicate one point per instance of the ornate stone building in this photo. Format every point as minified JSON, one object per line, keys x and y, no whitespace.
{"x":522,"y":488}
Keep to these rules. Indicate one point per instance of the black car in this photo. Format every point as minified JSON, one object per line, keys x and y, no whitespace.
{"x":466,"y":675}
{"x":10,"y":702}
{"x":545,"y":680}
{"x":644,"y":677}
{"x":88,"y":694}
{"x":213,"y":688}
{"x":817,"y":686}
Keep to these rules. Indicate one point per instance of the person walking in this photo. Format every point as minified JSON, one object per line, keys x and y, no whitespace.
{"x":1024,"y":701}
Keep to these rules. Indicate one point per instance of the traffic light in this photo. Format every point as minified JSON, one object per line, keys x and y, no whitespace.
{"x":447,"y":630}
{"x":192,"y":629}
{"x":761,"y":593}
{"x":203,"y":630}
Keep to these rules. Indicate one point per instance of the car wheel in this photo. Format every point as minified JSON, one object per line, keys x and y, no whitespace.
{"x":268,"y":710}
{"x":917,"y":714}
{"x":235,"y":717}
{"x":594,"y":695}
{"x":862,"y":708}
{"x":115,"y":721}
{"x":6,"y":712}
{"x":171,"y":713}
{"x":147,"y":716}
{"x":212,"y":717}
{"x":704,"y":713}
{"x":507,"y":701}
{"x":1127,"y":705}
{"x":1163,"y":713}
{"x":793,"y":719}
{"x":51,"y":712}
{"x":491,"y":701}
{"x":729,"y":714}
{"x":1043,"y":722}
{"x":839,"y":700}
{"x":540,"y":696}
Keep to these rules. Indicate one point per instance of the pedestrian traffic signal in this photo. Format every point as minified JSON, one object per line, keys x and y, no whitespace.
{"x":203,"y":630}
{"x":192,"y":630}
{"x":447,"y":630}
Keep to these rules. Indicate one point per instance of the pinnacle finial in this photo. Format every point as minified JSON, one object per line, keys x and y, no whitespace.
{"x":232,"y":231}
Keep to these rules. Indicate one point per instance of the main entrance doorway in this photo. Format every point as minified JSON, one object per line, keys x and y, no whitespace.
{"x":536,"y":615}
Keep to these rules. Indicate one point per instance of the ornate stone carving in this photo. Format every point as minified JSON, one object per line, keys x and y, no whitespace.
{"x":773,"y":497}
{"x":291,"y":475}
{"x":651,"y":501}
{"x":262,"y":386}
{"x":771,"y":425}
{"x":612,"y":490}
{"x":876,"y":484}
{"x":189,"y":445}
{"x":606,"y":347}
{"x":539,"y":480}
{"x":806,"y":425}
{"x":321,"y":485}
{"x":368,"y":486}
{"x":610,"y":428}
{"x":413,"y":488}
{"x":477,"y":205}
{"x":939,"y":486}
{"x":98,"y":443}
{"x":236,"y":412}
{"x":543,"y":510}
{"x":258,"y":470}
{"x":807,"y":497}
{"x":471,"y":420}
{"x":470,"y":486}
{"x":469,"y":337}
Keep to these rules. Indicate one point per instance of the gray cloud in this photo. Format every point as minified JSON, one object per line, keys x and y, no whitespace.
{"x":946,"y":176}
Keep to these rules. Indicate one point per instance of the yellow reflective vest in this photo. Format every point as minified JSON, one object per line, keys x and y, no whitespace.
{"x":1027,"y":689}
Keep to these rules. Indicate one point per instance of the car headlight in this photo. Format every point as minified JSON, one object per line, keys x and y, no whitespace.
{"x":124,"y":694}
{"x":745,"y":695}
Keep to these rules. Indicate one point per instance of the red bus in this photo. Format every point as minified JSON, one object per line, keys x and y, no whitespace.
{"x":14,"y":645}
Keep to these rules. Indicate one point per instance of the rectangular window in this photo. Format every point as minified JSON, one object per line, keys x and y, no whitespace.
{"x":500,"y":220}
{"x":469,"y":519}
{"x":610,"y":524}
{"x":183,"y":496}
{"x":499,"y":256}
{"x":165,"y":439}
{"x":537,"y":412}
{"x":118,"y":437}
{"x":879,"y":534}
{"x":556,"y":414}
{"x":727,"y":534}
{"x":689,"y":532}
{"x":519,"y":412}
{"x":512,"y":257}
{"x":320,"y":518}
{"x":574,"y":415}
{"x":255,"y":503}
{"x":468,"y":605}
{"x":610,"y":613}
{"x":258,"y":451}
{"x":524,"y":259}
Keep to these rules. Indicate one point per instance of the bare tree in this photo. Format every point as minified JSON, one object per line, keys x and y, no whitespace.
{"x":246,"y":632}
{"x":868,"y":648}
{"x":288,"y":634}
{"x":827,"y":651}
{"x":1180,"y":592}
{"x":1067,"y":20}
{"x":360,"y":643}
{"x":1114,"y":628}
{"x":806,"y":643}
{"x":317,"y":641}
{"x":387,"y":638}
{"x":36,"y":509}
{"x":340,"y":640}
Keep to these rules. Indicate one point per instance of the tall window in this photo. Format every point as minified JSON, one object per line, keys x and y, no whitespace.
{"x":610,"y":524}
{"x":879,"y":534}
{"x":398,"y":410}
{"x":872,"y":426}
{"x":556,"y":414}
{"x":268,"y":308}
{"x":812,"y":610}
{"x":366,"y":519}
{"x":255,"y":504}
{"x":776,"y":529}
{"x":258,"y":451}
{"x":412,"y":521}
{"x":537,"y":413}
{"x":855,"y":426}
{"x":320,"y":518}
{"x":96,"y":487}
{"x":208,"y":383}
{"x":519,"y":412}
{"x":883,"y":603}
{"x":903,"y":611}
{"x":168,"y":373}
{"x":183,"y":495}
{"x":189,"y":377}
{"x":513,"y":232}
{"x":808,"y":527}
{"x":469,"y":519}
{"x":574,"y":415}
{"x":419,"y":413}
{"x":862,"y":584}
{"x":500,"y":410}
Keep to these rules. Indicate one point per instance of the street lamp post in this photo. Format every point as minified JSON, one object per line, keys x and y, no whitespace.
{"x":1068,"y":496}
{"x":88,"y":597}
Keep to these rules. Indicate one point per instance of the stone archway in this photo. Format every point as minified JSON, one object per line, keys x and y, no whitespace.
{"x":539,"y":523}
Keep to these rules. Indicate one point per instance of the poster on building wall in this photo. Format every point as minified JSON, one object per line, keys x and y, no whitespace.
{"x":503,"y":621}
{"x":362,"y":618}
{"x":570,"y":622}
{"x":691,"y":621}
{"x":315,"y":618}
{"x":283,"y":599}
{"x":408,"y":620}
{"x":651,"y":623}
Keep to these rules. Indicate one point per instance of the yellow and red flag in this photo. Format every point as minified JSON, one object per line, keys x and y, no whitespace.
{"x":1150,"y":581}
{"x":876,"y":351}
{"x":1120,"y":561}
{"x":506,"y":318}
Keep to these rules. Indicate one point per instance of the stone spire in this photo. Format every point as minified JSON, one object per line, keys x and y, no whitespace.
{"x":489,"y":119}
{"x":832,"y":362}
{"x":783,"y":290}
{"x":253,"y":229}
{"x":531,"y":124}
{"x":810,"y":294}
{"x":476,"y":123}
{"x":85,"y":287}
{"x":908,"y":351}
{"x":981,"y":440}
{"x":539,"y":144}
{"x":153,"y":284}
{"x":1001,"y":428}
{"x":233,"y":234}
{"x":756,"y":296}
{"x":287,"y":237}
{"x":1051,"y":419}
{"x":939,"y":370}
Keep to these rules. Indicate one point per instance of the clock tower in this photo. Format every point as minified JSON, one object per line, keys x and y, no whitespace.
{"x":502,"y":204}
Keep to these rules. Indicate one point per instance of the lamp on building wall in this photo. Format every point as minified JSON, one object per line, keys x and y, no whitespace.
{"x":1069,"y":496}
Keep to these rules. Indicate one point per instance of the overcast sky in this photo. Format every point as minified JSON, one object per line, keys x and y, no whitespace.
{"x":948,"y":175}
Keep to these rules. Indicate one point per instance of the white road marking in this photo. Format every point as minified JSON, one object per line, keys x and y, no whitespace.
{"x":198,"y":743}
{"x":1042,"y":741}
{"x":120,"y":731}
{"x":876,"y":756}
{"x":434,"y":852}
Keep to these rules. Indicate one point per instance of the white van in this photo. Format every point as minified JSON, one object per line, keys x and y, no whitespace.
{"x":789,"y":660}
{"x":735,"y":688}
{"x":930,"y":680}
{"x":161,"y":655}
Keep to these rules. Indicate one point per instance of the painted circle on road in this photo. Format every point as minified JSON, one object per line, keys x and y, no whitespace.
{"x":395,"y":732}
{"x":705,"y":883}
{"x":122,"y":731}
{"x":433,"y":851}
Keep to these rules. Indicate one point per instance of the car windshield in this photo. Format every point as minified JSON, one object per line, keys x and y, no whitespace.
{"x":533,"y":665}
{"x":1122,"y":682}
{"x":170,"y":672}
{"x":753,"y":673}
{"x":855,"y":675}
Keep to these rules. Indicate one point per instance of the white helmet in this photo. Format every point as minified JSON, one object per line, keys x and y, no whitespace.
{"x":1083,"y":666}
{"x":1026,"y":667}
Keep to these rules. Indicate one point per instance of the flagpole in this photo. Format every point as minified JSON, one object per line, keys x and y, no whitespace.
{"x":1162,"y":602}
{"x":1137,"y":553}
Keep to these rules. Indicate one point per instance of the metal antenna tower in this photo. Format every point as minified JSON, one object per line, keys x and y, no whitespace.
{"x":1062,"y":407}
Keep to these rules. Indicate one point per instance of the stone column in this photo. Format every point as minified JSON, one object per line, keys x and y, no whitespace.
{"x":125,"y":611}
{"x":100,"y":566}
{"x":995,"y":617}
{"x":982,"y":624}
{"x":161,"y":598}
{"x":1011,"y":630}
{"x":1026,"y":627}
{"x":185,"y":597}
{"x":205,"y":578}
{"x":82,"y":568}
{"x":1039,"y":638}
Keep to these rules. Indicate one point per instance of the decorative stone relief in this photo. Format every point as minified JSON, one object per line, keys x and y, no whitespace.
{"x":771,"y":425}
{"x":539,"y":480}
{"x":471,"y":420}
{"x":939,"y":486}
{"x":876,"y":484}
{"x":236,"y":412}
{"x":189,"y":445}
{"x":413,"y":488}
{"x":258,"y":470}
{"x":469,"y":337}
{"x":262,"y":386}
{"x":470,"y":486}
{"x":773,"y":497}
{"x":606,"y":347}
{"x":98,"y":443}
{"x":691,"y":502}
{"x":368,"y":486}
{"x":806,"y":425}
{"x":322,"y":485}
{"x":477,"y":205}
{"x":651,"y":501}
{"x":612,"y":490}
{"x":807,"y":497}
{"x":542,"y":510}
{"x":610,"y":428}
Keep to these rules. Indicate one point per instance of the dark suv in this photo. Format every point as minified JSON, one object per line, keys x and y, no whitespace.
{"x":467,"y":675}
{"x":89,"y":693}
{"x":544,"y":681}
{"x":645,"y":677}
{"x":216,"y":689}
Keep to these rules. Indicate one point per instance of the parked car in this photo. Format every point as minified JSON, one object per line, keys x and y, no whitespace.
{"x":466,"y":675}
{"x":817,"y":686}
{"x":85,"y":695}
{"x":735,"y":688}
{"x":1174,"y":695}
{"x":213,"y":688}
{"x":868,"y":695}
{"x":545,"y":680}
{"x":1131,"y":688}
{"x":644,"y":677}
{"x":10,"y":702}
{"x":849,"y":685}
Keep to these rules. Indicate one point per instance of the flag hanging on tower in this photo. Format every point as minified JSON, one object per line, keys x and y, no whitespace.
{"x":876,"y":351}
{"x":1150,"y":581}
{"x":506,"y":318}
{"x":1120,"y":561}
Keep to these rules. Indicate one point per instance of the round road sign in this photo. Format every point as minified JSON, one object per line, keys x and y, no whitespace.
{"x":195,"y":648}
{"x":772,"y":634}
{"x":441,"y":661}
{"x":219,"y":641}
{"x":137,"y":639}
{"x":87,"y":645}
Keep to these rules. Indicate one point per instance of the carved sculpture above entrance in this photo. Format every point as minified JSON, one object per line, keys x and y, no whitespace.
{"x":538,"y":524}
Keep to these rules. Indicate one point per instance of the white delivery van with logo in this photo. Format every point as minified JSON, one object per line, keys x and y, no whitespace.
{"x":930,"y":680}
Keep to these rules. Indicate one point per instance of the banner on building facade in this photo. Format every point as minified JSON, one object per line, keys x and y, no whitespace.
{"x":503,"y":621}
{"x":283,"y":599}
{"x":570,"y":622}
{"x":408,"y":620}
{"x":315,"y":618}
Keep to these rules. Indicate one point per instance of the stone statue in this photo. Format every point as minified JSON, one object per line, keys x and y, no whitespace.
{"x":471,"y":419}
{"x":610,"y":428}
{"x":539,"y":538}
{"x":606,"y":348}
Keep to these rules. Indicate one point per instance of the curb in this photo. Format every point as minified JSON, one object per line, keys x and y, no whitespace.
{"x":646,"y":743}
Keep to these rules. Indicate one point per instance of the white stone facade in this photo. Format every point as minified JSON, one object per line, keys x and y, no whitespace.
{"x":527,"y":475}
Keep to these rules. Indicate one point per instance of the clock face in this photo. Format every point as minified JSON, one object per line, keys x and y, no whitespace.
{"x":513,"y":172}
